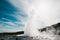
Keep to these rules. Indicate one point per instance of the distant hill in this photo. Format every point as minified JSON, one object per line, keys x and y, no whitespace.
{"x":10,"y":34}
{"x":55,"y":29}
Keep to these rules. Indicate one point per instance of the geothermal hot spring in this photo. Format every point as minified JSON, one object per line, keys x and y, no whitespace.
{"x":41,"y":13}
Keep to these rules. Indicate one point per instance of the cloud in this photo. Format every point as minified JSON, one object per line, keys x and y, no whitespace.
{"x":12,"y":17}
{"x":42,"y":13}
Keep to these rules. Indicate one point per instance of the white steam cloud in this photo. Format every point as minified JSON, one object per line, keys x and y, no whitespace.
{"x":41,"y":13}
